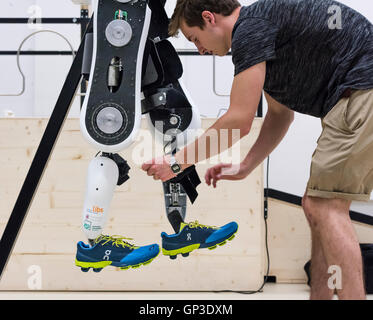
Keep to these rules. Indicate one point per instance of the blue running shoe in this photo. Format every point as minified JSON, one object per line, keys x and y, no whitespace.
{"x":194,"y":236}
{"x":113,"y":251}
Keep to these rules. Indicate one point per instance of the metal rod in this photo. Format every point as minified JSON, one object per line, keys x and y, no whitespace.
{"x":83,"y":27}
{"x":37,"y":53}
{"x":43,"y":20}
{"x":66,"y":53}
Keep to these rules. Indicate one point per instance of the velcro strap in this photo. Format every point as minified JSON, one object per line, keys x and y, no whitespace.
{"x":189,"y":179}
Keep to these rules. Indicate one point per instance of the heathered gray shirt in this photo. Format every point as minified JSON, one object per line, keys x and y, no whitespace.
{"x":312,"y":55}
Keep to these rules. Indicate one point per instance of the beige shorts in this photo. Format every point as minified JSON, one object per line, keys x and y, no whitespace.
{"x":342,"y":164}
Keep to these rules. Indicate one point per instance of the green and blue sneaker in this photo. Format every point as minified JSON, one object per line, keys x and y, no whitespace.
{"x":194,"y":236}
{"x":113,"y":251}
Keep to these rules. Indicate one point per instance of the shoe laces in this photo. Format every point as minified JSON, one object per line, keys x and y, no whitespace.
{"x":196,"y":224}
{"x":115,"y":241}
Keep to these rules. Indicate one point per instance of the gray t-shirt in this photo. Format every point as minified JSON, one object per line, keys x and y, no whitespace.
{"x":312,"y":55}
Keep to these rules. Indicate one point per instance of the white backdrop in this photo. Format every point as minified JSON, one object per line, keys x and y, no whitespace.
{"x":289,"y":165}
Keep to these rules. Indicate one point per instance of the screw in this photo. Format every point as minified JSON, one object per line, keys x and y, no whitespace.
{"x":174,"y":120}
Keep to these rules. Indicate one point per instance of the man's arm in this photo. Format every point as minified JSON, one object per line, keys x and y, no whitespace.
{"x":275,"y":126}
{"x":244,"y":100}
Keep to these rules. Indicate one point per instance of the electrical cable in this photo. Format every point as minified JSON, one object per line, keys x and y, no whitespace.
{"x":266,"y":243}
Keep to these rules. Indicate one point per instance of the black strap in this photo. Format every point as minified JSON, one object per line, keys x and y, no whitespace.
{"x":122,"y":164}
{"x":189,"y":179}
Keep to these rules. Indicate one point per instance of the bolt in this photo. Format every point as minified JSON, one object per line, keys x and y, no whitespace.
{"x":174,"y":120}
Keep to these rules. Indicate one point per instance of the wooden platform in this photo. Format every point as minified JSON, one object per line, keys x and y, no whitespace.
{"x":271,"y":291}
{"x":53,"y":225}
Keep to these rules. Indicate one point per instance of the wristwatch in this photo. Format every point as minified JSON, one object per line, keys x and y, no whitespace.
{"x":175,"y":167}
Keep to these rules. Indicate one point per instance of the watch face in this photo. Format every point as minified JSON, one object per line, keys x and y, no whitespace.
{"x":175,"y":168}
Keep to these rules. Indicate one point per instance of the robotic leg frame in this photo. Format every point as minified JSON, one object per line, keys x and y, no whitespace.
{"x":110,"y":119}
{"x":134,"y":71}
{"x":175,"y":202}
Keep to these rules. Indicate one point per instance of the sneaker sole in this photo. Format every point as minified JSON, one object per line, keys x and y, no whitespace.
{"x":186,"y":250}
{"x":98,"y":266}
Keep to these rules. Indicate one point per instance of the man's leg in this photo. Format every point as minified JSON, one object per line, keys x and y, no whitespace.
{"x":331,"y":225}
{"x":319,"y":266}
{"x":319,"y":271}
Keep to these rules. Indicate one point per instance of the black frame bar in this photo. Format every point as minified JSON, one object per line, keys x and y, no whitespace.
{"x":52,"y":53}
{"x":44,"y":20}
{"x":37,"y":53}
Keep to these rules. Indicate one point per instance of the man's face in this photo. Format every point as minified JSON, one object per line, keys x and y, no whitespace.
{"x":210,"y":39}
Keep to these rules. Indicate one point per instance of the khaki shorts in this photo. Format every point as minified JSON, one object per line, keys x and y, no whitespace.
{"x":342,"y":164}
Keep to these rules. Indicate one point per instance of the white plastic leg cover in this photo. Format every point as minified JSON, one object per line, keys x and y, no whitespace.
{"x":102,"y":179}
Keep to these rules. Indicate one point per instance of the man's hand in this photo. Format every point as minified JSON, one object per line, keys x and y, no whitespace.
{"x":224,"y":171}
{"x":244,"y":100}
{"x":159,"y":168}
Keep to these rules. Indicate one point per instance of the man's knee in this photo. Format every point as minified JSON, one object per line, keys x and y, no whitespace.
{"x":318,"y":210}
{"x":307,"y":205}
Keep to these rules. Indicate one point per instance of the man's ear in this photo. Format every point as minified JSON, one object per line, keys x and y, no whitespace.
{"x":208,"y":17}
